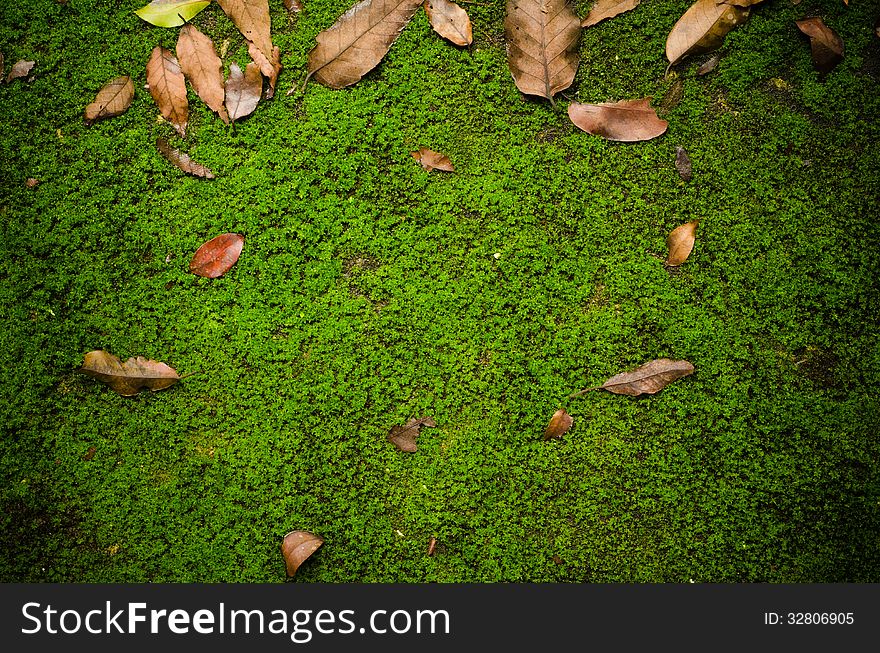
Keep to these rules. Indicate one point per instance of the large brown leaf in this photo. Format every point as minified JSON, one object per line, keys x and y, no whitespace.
{"x":200,"y":63}
{"x":431,"y":160}
{"x":269,"y":67}
{"x":648,"y":379}
{"x":450,"y":21}
{"x":243,"y":90}
{"x":182,"y":160}
{"x":357,"y":41}
{"x":680,"y":243}
{"x":251,"y":17}
{"x":404,"y":437}
{"x":129,"y":377}
{"x":607,"y":9}
{"x":702,"y":28}
{"x":296,"y":548}
{"x":627,"y":120}
{"x":559,"y":425}
{"x":217,"y":256}
{"x":542,"y":38}
{"x":168,"y":87}
{"x":113,"y":99}
{"x":825,"y":44}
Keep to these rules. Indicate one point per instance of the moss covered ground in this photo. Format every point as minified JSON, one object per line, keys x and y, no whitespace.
{"x":370,"y":292}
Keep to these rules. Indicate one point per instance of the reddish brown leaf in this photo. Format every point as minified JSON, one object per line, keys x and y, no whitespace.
{"x":31,"y":182}
{"x":20,"y":69}
{"x":168,"y":88}
{"x":450,"y":21}
{"x":432,"y":545}
{"x":559,"y":425}
{"x":251,"y":17}
{"x":182,"y":160}
{"x":129,"y":377}
{"x":113,"y":99}
{"x":650,"y":378}
{"x":680,"y":243}
{"x":243,"y":90}
{"x":217,"y":256}
{"x":608,"y":9}
{"x":825,"y":44}
{"x":702,"y":28}
{"x":269,"y":68}
{"x":683,"y":163}
{"x":404,"y":437}
{"x":297,"y":547}
{"x":89,"y":454}
{"x":201,"y":65}
{"x":627,"y":120}
{"x":431,"y":160}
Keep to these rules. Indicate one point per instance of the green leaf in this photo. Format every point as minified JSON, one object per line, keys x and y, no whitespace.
{"x":171,"y":13}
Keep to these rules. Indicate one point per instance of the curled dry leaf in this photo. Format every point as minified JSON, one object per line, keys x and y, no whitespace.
{"x":243,"y":90}
{"x":113,"y":99}
{"x":559,"y":425}
{"x":358,"y":40}
{"x":269,"y":67}
{"x":608,"y":9}
{"x":293,"y":6}
{"x":182,"y":160}
{"x":683,"y":163}
{"x":214,"y":258}
{"x":650,"y":378}
{"x":20,"y":69}
{"x":199,"y":62}
{"x":171,"y":13}
{"x":404,"y":437}
{"x":296,"y":548}
{"x":251,"y":17}
{"x":680,"y":243}
{"x":627,"y":120}
{"x":168,"y":88}
{"x":702,"y":28}
{"x":431,"y":160}
{"x":432,"y":545}
{"x":129,"y":377}
{"x":709,"y":65}
{"x":450,"y":21}
{"x":31,"y":182}
{"x":825,"y":44}
{"x":542,"y":38}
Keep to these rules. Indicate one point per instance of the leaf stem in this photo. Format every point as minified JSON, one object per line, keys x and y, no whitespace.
{"x":583,"y":392}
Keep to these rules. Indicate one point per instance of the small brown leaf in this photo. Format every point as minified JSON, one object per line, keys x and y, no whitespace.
{"x":129,"y":377}
{"x":251,"y":17}
{"x":702,"y":28}
{"x":182,"y":160}
{"x":90,"y":453}
{"x":560,"y":424}
{"x":113,"y":99}
{"x":404,"y":437}
{"x":450,"y":21}
{"x":297,"y":547}
{"x":680,"y":243}
{"x":31,"y":182}
{"x":608,"y":9}
{"x":708,"y":66}
{"x":557,"y":560}
{"x":825,"y":44}
{"x":168,"y":88}
{"x":431,"y":160}
{"x":293,"y":6}
{"x":432,"y":545}
{"x":200,"y":63}
{"x":215,"y":257}
{"x":650,"y":378}
{"x":20,"y":69}
{"x":683,"y":163}
{"x":627,"y":120}
{"x":243,"y":90}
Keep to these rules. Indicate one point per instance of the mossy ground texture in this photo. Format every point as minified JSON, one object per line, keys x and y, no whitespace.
{"x":370,"y":292}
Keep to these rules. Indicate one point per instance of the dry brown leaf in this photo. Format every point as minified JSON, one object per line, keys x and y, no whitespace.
{"x":607,"y":9}
{"x":200,"y":63}
{"x":431,"y":160}
{"x":404,"y":437}
{"x":113,"y":99}
{"x":182,"y":160}
{"x":297,"y":547}
{"x":702,"y":28}
{"x":542,"y":39}
{"x":129,"y":377}
{"x":432,"y":545}
{"x":293,"y":6}
{"x":680,"y":243}
{"x":20,"y":69}
{"x":90,"y":453}
{"x":217,"y":256}
{"x":825,"y":44}
{"x":243,"y":90}
{"x":168,"y":88}
{"x":683,"y":163}
{"x":627,"y":120}
{"x":31,"y":182}
{"x":740,"y":3}
{"x":559,"y":425}
{"x":269,"y":67}
{"x":357,"y":41}
{"x":650,"y":378}
{"x":450,"y":21}
{"x":251,"y":17}
{"x":709,"y":65}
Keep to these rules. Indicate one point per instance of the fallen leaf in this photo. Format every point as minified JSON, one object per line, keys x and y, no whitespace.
{"x":825,"y":44}
{"x":404,"y":437}
{"x":627,"y":120}
{"x":542,"y":45}
{"x":199,"y":62}
{"x":557,"y":560}
{"x":741,"y":3}
{"x":113,"y":99}
{"x":450,"y":21}
{"x":243,"y":90}
{"x":607,"y":9}
{"x":293,"y":6}
{"x":1,"y":67}
{"x":269,"y":67}
{"x":683,"y":163}
{"x":31,"y":182}
{"x":358,"y":40}
{"x":90,"y":453}
{"x":129,"y":377}
{"x":20,"y":69}
{"x":214,"y":258}
{"x":432,"y":545}
{"x":251,"y":17}
{"x":650,"y":378}
{"x":709,"y":65}
{"x":431,"y":160}
{"x":296,"y":548}
{"x":680,"y":243}
{"x":171,"y":13}
{"x":182,"y":160}
{"x":559,"y":425}
{"x":168,"y":88}
{"x":702,"y":28}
